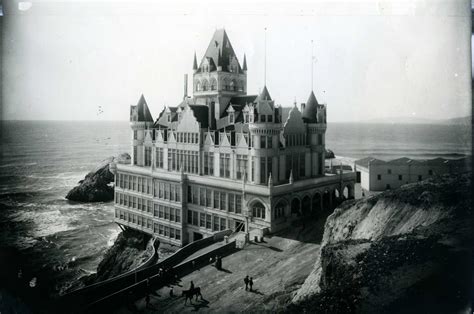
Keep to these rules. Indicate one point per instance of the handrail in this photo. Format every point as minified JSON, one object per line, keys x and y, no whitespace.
{"x":101,"y":289}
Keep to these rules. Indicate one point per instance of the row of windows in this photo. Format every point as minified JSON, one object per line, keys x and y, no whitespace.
{"x":187,"y":159}
{"x":297,"y":163}
{"x":133,"y":218}
{"x":298,"y":139}
{"x":400,"y":176}
{"x":134,"y":183}
{"x":430,"y":172}
{"x":187,"y":137}
{"x":167,"y":231}
{"x":203,"y":220}
{"x":133,"y":202}
{"x":266,"y":142}
{"x":215,"y":199}
{"x":167,"y":213}
{"x":167,"y":191}
{"x":212,"y":85}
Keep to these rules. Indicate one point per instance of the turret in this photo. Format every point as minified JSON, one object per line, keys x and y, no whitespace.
{"x":140,"y":120}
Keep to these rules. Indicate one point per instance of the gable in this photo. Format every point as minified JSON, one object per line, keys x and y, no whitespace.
{"x":294,"y":123}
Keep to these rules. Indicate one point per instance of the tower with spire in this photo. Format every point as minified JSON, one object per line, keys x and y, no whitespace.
{"x":219,"y":76}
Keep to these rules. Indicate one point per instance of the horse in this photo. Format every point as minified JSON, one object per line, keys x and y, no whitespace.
{"x":189,"y":294}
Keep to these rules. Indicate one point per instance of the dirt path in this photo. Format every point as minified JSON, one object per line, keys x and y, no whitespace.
{"x":278,"y":267}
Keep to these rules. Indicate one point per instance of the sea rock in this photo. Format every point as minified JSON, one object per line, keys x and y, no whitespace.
{"x":130,"y":250}
{"x":405,"y":250}
{"x":96,"y":186}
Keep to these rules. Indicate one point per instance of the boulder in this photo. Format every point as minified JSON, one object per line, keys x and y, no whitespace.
{"x":97,"y":185}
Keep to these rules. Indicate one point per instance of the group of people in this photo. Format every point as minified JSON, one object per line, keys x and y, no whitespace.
{"x":248,"y":283}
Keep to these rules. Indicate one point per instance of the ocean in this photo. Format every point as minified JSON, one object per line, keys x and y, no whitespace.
{"x":62,"y":240}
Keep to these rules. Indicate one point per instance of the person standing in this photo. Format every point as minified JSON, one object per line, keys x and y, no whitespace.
{"x":246,"y":281}
{"x":251,"y":283}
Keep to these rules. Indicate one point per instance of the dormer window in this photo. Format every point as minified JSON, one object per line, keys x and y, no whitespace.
{"x":251,"y":118}
{"x":270,"y":118}
{"x":169,"y":118}
{"x":246,"y":118}
{"x":231,"y":117}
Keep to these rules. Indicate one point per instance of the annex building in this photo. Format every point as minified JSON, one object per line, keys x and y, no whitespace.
{"x":223,"y":159}
{"x":381,"y":175}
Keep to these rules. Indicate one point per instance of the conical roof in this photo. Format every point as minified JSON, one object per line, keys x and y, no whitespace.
{"x":195,"y":64}
{"x":264,"y":95}
{"x":144,"y":114}
{"x":220,"y":50}
{"x":311,"y":109}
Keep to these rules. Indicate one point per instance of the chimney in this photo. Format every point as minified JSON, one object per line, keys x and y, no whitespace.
{"x":185,"y":86}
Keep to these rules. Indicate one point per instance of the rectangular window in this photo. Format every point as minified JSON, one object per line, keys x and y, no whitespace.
{"x":238,"y":204}
{"x":223,"y":200}
{"x":223,"y":224}
{"x":172,"y":210}
{"x":208,"y":198}
{"x":167,"y":213}
{"x":379,"y":177}
{"x":190,"y":217}
{"x":173,"y":192}
{"x":195,"y":195}
{"x":178,"y":234}
{"x":190,"y":194}
{"x":202,"y":196}
{"x":230,"y":202}
{"x":302,"y":165}
{"x":270,"y":118}
{"x":389,"y":171}
{"x":172,"y":233}
{"x":241,"y":167}
{"x":159,"y":157}
{"x":195,"y":219}
{"x":269,"y":141}
{"x":135,"y":155}
{"x":216,"y":223}
{"x":263,"y":172}
{"x":400,"y":177}
{"x":211,"y":164}
{"x":216,"y":199}
{"x":208,"y":221}
{"x":263,"y":141}
{"x":178,"y":215}
{"x":178,"y":193}
{"x":161,"y":213}
{"x":262,"y":118}
{"x":147,"y":156}
{"x":167,"y":231}
{"x":135,"y":134}
{"x":161,"y":229}
{"x":202,"y":220}
{"x":320,"y":139}
{"x":420,"y":178}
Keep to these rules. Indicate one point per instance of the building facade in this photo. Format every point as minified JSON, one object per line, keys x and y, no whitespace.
{"x":223,"y":159}
{"x":380,"y":175}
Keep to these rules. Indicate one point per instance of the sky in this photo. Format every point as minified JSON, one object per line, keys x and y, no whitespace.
{"x":91,"y":60}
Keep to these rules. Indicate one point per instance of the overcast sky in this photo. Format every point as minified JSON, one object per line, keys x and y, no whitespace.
{"x":374,"y":59}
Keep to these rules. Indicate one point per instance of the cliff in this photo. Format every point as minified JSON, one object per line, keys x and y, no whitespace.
{"x":131,"y":249}
{"x":406,"y":250}
{"x":97,"y":185}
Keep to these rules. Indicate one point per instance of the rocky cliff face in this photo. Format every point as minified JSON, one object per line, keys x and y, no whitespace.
{"x":97,"y":185}
{"x":131,"y":249}
{"x":402,"y":250}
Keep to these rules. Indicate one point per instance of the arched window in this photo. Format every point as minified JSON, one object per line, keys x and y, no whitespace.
{"x":213,"y":84}
{"x":241,"y":86}
{"x":258,"y":210}
{"x":205,"y":85}
{"x":226,"y":84}
{"x":280,"y":209}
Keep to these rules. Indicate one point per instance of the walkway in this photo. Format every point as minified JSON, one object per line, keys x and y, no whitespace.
{"x":279,"y":266}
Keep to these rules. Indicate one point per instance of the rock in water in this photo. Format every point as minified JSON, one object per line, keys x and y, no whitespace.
{"x":96,"y":186}
{"x":405,"y":250}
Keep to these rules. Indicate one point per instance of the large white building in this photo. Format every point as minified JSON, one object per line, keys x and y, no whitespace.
{"x":224,"y":159}
{"x":380,"y":175}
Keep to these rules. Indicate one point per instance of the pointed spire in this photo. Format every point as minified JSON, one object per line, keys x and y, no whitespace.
{"x":264,"y":95}
{"x":311,"y":109}
{"x":245,"y":63}
{"x":195,"y":64}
